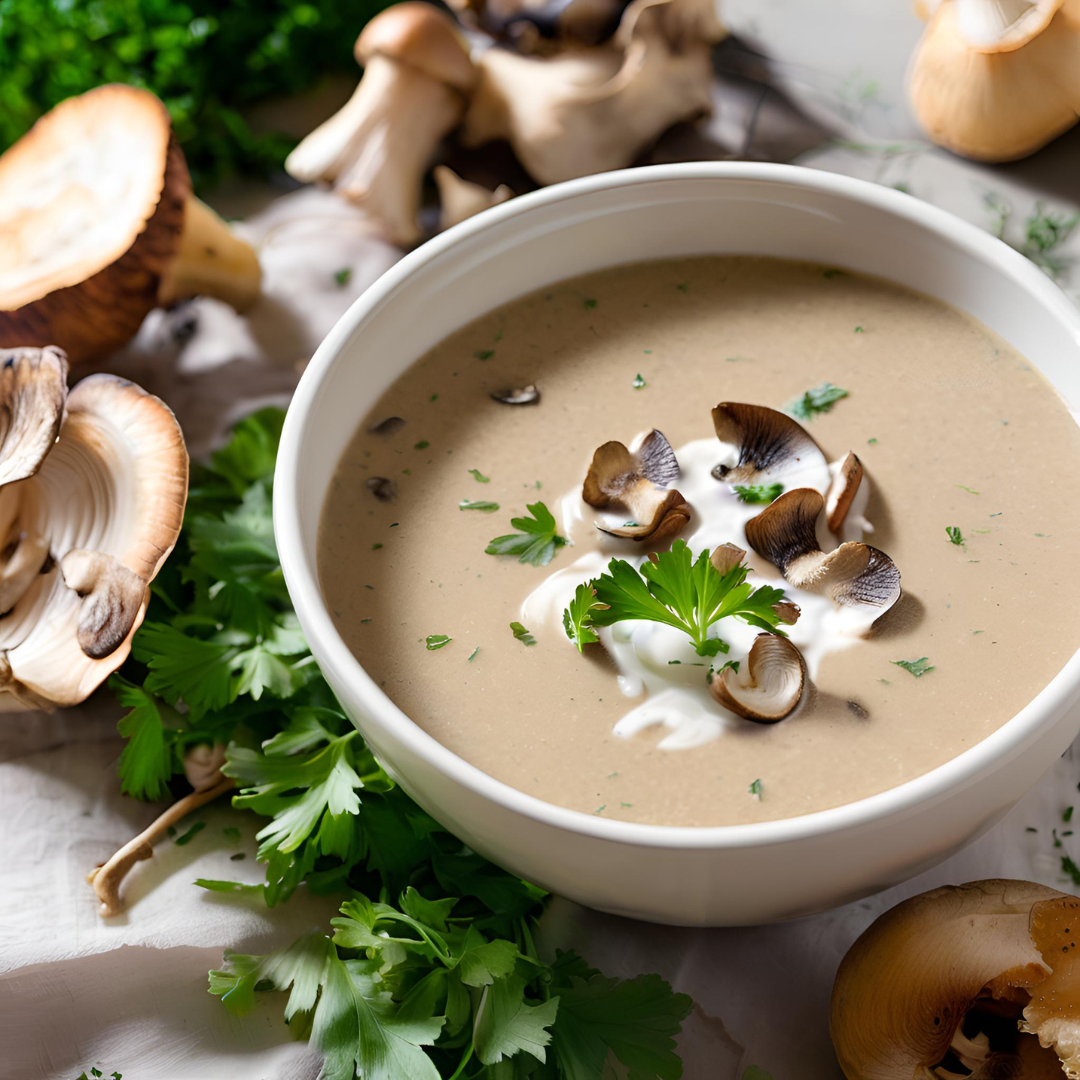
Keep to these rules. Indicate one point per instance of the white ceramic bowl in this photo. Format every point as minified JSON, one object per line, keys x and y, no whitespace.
{"x":728,"y":875}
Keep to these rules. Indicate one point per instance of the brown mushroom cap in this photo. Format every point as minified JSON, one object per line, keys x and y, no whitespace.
{"x":767,"y":440}
{"x":768,"y":685}
{"x":905,"y":987}
{"x":420,"y":35}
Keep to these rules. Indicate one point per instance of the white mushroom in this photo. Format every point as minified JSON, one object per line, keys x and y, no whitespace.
{"x":997,"y":79}
{"x":376,"y":149}
{"x":853,"y":575}
{"x":588,"y":110}
{"x":459,"y":199}
{"x":914,"y":993}
{"x":98,"y":225}
{"x":639,"y":481}
{"x":768,"y":684}
{"x":91,"y":525}
{"x":842,"y":492}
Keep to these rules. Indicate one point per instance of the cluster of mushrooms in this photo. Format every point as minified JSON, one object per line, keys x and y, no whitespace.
{"x":996,"y":80}
{"x":769,"y":685}
{"x":968,"y":982}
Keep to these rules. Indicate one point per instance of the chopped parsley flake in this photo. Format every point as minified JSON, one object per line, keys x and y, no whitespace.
{"x":859,"y":330}
{"x":483,"y":505}
{"x":639,"y":383}
{"x":759,"y":493}
{"x":871,"y":442}
{"x":479,"y":477}
{"x":375,"y":547}
{"x":434,"y":397}
{"x":918,"y":668}
{"x":964,"y":487}
{"x":190,"y":835}
{"x":484,"y":354}
{"x":590,"y":304}
{"x":1067,"y":815}
{"x":423,"y":444}
{"x":521,"y":634}
{"x":833,"y":273}
{"x":755,"y":789}
{"x":343,"y":276}
{"x":232,"y":834}
{"x":683,"y":286}
{"x":472,"y":655}
{"x":819,"y":399}
{"x":536,"y":541}
{"x":436,"y":641}
{"x":955,"y":535}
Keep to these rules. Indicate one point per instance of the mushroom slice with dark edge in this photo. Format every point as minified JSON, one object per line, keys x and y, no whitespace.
{"x":98,"y":225}
{"x":639,"y":481}
{"x":377,"y":147}
{"x":383,"y":489}
{"x":852,"y":575}
{"x":919,"y":991}
{"x":523,"y":395}
{"x":765,"y":442}
{"x":842,"y":491}
{"x":109,"y":499}
{"x":768,"y":684}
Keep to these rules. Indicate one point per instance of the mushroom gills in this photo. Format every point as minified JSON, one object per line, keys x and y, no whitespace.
{"x":768,"y":685}
{"x":639,"y":481}
{"x":522,"y":395}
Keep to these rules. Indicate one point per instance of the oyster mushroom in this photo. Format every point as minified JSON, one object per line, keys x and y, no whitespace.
{"x":995,"y":80}
{"x":852,"y":575}
{"x":517,"y":395}
{"x":911,"y":994}
{"x":764,"y":443}
{"x":543,"y":25}
{"x":768,"y":684}
{"x":638,"y":481}
{"x":98,"y":225}
{"x":842,"y":491}
{"x":97,"y":514}
{"x":459,"y":199}
{"x":587,"y":110}
{"x":376,"y":149}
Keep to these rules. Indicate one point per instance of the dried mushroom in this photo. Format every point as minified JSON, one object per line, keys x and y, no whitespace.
{"x":98,"y":225}
{"x":86,"y":527}
{"x":587,"y":110}
{"x":976,"y":980}
{"x":762,"y":443}
{"x":460,"y":199}
{"x":377,"y":147}
{"x":842,"y":491}
{"x":852,"y":575}
{"x":640,"y":482}
{"x":995,"y":80}
{"x":768,"y":684}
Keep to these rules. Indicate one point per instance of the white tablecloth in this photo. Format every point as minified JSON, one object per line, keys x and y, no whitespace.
{"x":130,"y":994}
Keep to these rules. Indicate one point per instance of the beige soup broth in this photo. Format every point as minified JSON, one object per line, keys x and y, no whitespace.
{"x":955,"y":430}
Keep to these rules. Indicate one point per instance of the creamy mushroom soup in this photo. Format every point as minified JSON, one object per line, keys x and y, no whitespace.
{"x":621,"y":698}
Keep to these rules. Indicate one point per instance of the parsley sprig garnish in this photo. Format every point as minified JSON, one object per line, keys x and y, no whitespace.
{"x":444,"y":982}
{"x":758,"y":493}
{"x":817,"y":400}
{"x":536,"y":541}
{"x":677,"y":590}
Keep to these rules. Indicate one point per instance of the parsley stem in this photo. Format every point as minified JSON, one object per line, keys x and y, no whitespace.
{"x":465,"y":1059}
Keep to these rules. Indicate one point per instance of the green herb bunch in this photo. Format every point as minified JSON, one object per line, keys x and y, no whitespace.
{"x":431,"y":970}
{"x":206,"y":59}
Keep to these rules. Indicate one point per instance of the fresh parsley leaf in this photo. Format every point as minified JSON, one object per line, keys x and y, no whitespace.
{"x":521,"y":634}
{"x":755,"y":789}
{"x":483,"y":505}
{"x":639,"y":383}
{"x":536,"y":541}
{"x":479,"y":477}
{"x":436,"y":641}
{"x":187,"y":837}
{"x":484,"y":354}
{"x":954,"y":534}
{"x":343,"y":276}
{"x":577,"y":618}
{"x":689,"y":595}
{"x":148,"y":759}
{"x":507,"y":1023}
{"x":819,"y":399}
{"x":759,"y":493}
{"x":918,"y":668}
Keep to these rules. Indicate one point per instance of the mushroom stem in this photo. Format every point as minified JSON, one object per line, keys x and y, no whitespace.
{"x":210,"y":261}
{"x":108,"y":877}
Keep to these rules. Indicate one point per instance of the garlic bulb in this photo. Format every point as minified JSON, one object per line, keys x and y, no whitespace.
{"x":996,"y":80}
{"x":92,"y":491}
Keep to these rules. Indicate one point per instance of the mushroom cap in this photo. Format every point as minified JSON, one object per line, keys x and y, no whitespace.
{"x":1003,"y":25}
{"x":33,"y":390}
{"x":904,"y":987}
{"x":767,"y":441}
{"x":421,"y":36}
{"x":1003,"y":102}
{"x":768,"y":684}
{"x":91,"y":210}
{"x":460,"y":199}
{"x":842,"y":491}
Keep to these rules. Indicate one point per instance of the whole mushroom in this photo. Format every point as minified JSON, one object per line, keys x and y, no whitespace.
{"x":977,"y":980}
{"x":377,"y":147}
{"x":98,"y":225}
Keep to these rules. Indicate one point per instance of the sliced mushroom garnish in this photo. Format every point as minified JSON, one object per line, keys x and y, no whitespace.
{"x":764,"y":442}
{"x":914,"y":991}
{"x":768,"y":684}
{"x":842,"y":491}
{"x":107,"y":503}
{"x":383,"y":489}
{"x":726,"y":557}
{"x":638,"y":481}
{"x":522,"y":395}
{"x":98,"y":225}
{"x":853,"y":575}
{"x":388,"y":426}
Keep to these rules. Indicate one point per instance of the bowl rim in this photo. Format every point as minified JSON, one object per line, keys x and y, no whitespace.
{"x":301,"y":575}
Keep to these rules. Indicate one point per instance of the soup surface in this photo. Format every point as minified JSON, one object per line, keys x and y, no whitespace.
{"x":955,"y":431}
